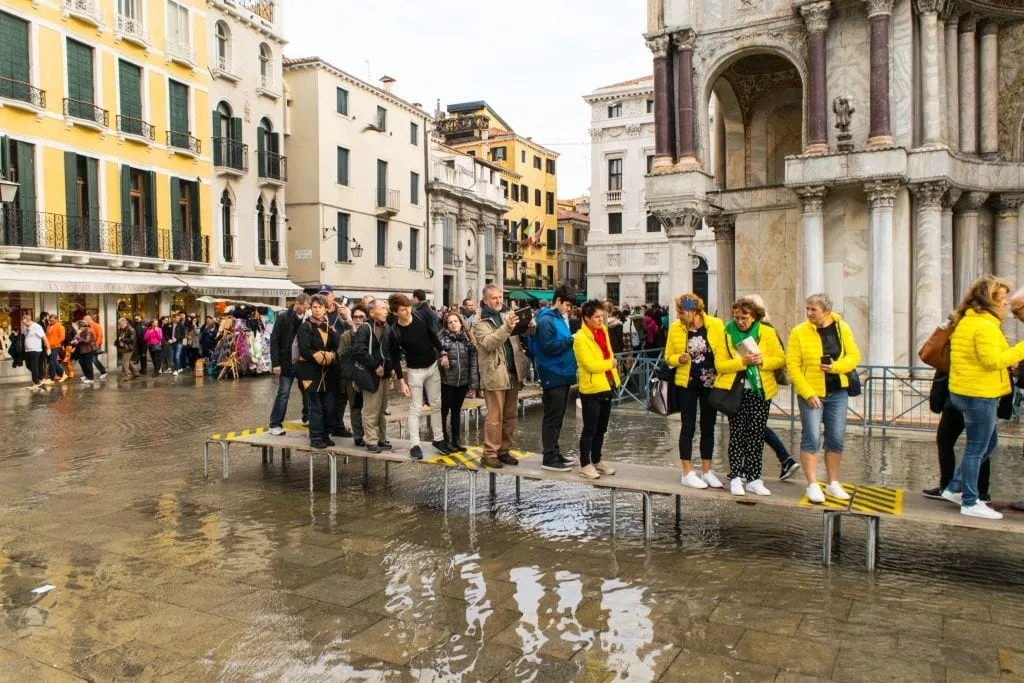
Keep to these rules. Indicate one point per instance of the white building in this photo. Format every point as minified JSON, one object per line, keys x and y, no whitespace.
{"x":627,"y":250}
{"x":357,"y":206}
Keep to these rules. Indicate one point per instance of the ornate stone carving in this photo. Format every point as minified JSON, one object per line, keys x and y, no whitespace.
{"x":613,"y":259}
{"x":930,"y":6}
{"x":1009,"y":204}
{"x":812,"y":197}
{"x":929,"y":195}
{"x":970,"y":202}
{"x":843,"y":110}
{"x":878,"y":8}
{"x":750,"y":6}
{"x":684,"y":39}
{"x":881,"y":193}
{"x":679,"y":221}
{"x":749,"y":88}
{"x":789,"y":40}
{"x":596,"y":133}
{"x":951,"y":197}
{"x":968,"y":23}
{"x":633,"y":129}
{"x":658,"y":45}
{"x":816,"y":16}
{"x":723,"y":225}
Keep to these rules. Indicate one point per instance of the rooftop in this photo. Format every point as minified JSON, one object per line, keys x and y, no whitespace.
{"x":292,"y":62}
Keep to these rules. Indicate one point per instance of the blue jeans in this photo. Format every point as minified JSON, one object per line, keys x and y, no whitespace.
{"x":775,"y":443}
{"x":176,"y":356}
{"x":56,"y":369}
{"x":284,"y":390}
{"x":982,"y":438}
{"x":833,"y":413}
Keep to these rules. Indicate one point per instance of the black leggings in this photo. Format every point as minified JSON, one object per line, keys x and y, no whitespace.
{"x":451,"y":401}
{"x":689,"y":398}
{"x":32,"y":362}
{"x":156,"y":354}
{"x":87,"y":361}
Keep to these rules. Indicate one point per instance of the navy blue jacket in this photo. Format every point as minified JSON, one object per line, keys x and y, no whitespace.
{"x":555,"y":359}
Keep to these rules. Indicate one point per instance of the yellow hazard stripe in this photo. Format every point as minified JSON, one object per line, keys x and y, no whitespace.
{"x":465,"y":461}
{"x":878,"y":499}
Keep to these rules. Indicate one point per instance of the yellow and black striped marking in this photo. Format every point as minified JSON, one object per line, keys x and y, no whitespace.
{"x":830,"y":502}
{"x":231,"y":436}
{"x":878,"y":499}
{"x":471,"y":458}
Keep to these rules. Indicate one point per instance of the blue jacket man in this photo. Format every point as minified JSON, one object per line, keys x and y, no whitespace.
{"x":556,"y":365}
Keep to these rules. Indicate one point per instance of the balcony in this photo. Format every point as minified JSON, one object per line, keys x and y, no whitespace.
{"x":613,"y":198}
{"x":388,"y":201}
{"x":21,"y":94}
{"x":79,"y":112}
{"x":182,"y":53}
{"x":222,"y":67}
{"x":86,"y":10}
{"x":264,"y":9}
{"x":183,"y":143}
{"x":187,"y":246}
{"x":132,"y":30}
{"x":272,"y":168}
{"x":137,"y":129}
{"x":230,"y":157}
{"x":268,"y":87}
{"x":463,"y":128}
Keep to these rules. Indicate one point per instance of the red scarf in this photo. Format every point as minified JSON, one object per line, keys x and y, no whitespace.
{"x":602,"y":343}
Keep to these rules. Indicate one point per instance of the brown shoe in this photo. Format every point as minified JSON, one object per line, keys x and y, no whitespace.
{"x":492,"y":462}
{"x":508,"y":458}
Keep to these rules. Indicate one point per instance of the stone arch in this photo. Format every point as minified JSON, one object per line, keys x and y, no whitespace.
{"x":729,"y":137}
{"x":772,"y":136}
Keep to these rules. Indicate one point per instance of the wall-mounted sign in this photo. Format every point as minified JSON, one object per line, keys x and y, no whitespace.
{"x":303,"y":254}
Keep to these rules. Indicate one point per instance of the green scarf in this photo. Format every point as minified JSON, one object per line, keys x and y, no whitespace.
{"x":736,"y":335}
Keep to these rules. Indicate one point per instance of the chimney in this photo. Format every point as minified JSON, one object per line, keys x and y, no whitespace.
{"x":387,"y":83}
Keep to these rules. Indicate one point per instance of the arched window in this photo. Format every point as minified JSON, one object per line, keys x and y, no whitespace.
{"x":224,"y":129}
{"x":267,"y":150}
{"x":223,"y":39}
{"x":266,"y":66}
{"x":227,"y":231}
{"x":274,"y":246}
{"x":261,"y":231}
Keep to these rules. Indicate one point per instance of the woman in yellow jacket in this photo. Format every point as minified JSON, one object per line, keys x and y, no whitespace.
{"x":688,"y":349}
{"x":598,"y":378}
{"x":822,"y":351}
{"x":979,"y":356}
{"x":746,"y":428}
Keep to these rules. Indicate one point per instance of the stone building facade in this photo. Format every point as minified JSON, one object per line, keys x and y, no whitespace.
{"x":870,"y":148}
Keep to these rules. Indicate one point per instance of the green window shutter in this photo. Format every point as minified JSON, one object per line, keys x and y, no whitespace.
{"x":14,"y":62}
{"x":261,"y":148}
{"x":26,"y":198}
{"x":219,"y":145}
{"x":236,"y":129}
{"x":92,"y":188}
{"x":80,"y":85}
{"x":130,"y":78}
{"x":343,"y":237}
{"x":126,"y":195}
{"x":71,"y":185}
{"x":149,"y":199}
{"x":196,"y":237}
{"x":236,"y":136}
{"x":5,"y":164}
{"x":342,"y":166}
{"x":176,"y":226}
{"x":275,"y":142}
{"x":178,"y":103}
{"x":343,"y":101}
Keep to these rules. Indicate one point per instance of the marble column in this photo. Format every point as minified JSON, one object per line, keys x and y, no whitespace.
{"x":1006,"y":247}
{"x":813,"y":199}
{"x":436,"y":254}
{"x":966,"y":241}
{"x":464,"y":228}
{"x":498,"y":249}
{"x":952,"y":82}
{"x":681,"y":222}
{"x":816,"y":17}
{"x":685,"y":120}
{"x":482,"y":235}
{"x":881,"y":317}
{"x":879,"y":18}
{"x":989,"y":91}
{"x":951,"y":197}
{"x":929,"y":46}
{"x":940,"y":38}
{"x":724,"y":227}
{"x":968,"y":89}
{"x":928,"y":308}
{"x":664,"y":119}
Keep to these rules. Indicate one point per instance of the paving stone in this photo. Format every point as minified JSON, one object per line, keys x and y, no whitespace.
{"x":784,"y":652}
{"x":394,"y":641}
{"x":701,"y":667}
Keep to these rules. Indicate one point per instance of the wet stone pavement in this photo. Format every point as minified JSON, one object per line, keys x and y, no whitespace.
{"x":160,"y":574}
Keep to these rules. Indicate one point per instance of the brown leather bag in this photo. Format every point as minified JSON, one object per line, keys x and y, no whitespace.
{"x":935,"y":350}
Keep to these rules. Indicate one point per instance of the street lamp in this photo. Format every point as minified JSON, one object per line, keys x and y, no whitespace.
{"x":8,"y":191}
{"x":355,"y":248}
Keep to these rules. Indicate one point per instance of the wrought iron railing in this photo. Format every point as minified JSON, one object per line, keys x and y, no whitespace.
{"x":136,"y":240}
{"x":86,"y":111}
{"x":132,"y":126}
{"x":17,"y":228}
{"x":228,"y":153}
{"x":261,"y":8}
{"x":132,"y":28}
{"x":187,"y":246}
{"x":22,"y":91}
{"x":272,"y":166}
{"x":184,"y":141}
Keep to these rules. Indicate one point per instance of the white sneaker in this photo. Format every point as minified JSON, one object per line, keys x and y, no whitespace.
{"x":979,"y":509}
{"x":176,"y":372}
{"x":814,"y":493}
{"x":86,"y":381}
{"x":835,"y":490}
{"x":103,"y":375}
{"x":736,"y":487}
{"x":590,"y":472}
{"x":955,"y":498}
{"x":693,"y":481}
{"x":711,"y":480}
{"x":757,"y":486}
{"x":604,"y":468}
{"x":275,"y":431}
{"x":305,"y":423}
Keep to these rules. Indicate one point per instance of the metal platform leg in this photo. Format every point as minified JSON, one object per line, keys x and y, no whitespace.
{"x":679,"y":509}
{"x":874,"y":524}
{"x":206,"y":460}
{"x":310,"y":471}
{"x":827,"y":527}
{"x":613,"y":511}
{"x":648,"y":521}
{"x":518,"y":488}
{"x":224,"y":459}
{"x":366,"y":472}
{"x":270,"y":455}
{"x":472,"y":492}
{"x":493,"y":481}
{"x":334,"y":473}
{"x":444,"y":496}
{"x":387,"y":469}
{"x":263,"y":455}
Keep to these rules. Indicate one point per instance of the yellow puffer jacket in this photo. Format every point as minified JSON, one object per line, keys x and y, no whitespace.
{"x":676,"y":345}
{"x":803,"y":358}
{"x":979,"y":356}
{"x":728,"y":362}
{"x":591,"y":365}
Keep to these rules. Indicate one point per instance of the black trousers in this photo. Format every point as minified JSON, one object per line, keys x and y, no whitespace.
{"x":689,"y":399}
{"x":140,"y":353}
{"x":597,"y":409}
{"x":156,"y":354}
{"x":32,"y":362}
{"x":451,"y":402}
{"x":951,"y":426}
{"x":555,"y":400}
{"x":746,"y":437}
{"x":87,"y":361}
{"x":321,"y":414}
{"x":340,"y":401}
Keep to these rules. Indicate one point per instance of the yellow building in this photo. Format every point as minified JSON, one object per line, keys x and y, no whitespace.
{"x":105,"y":127}
{"x":531,"y":248}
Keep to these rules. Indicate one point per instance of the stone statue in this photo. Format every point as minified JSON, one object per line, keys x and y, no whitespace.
{"x":843,"y":110}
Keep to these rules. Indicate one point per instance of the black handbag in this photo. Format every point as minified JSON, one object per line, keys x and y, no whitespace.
{"x":365,"y":379}
{"x":939,"y":392}
{"x":854,"y":387}
{"x":728,"y":401}
{"x":665,"y":372}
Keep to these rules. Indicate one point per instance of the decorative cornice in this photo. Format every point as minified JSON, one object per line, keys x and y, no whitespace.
{"x":816,"y":15}
{"x":881,"y":193}
{"x":658,"y":45}
{"x":930,"y":6}
{"x":812,"y":197}
{"x":929,"y":195}
{"x":879,"y":8}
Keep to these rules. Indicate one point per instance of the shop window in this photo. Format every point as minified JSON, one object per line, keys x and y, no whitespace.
{"x":611,"y":291}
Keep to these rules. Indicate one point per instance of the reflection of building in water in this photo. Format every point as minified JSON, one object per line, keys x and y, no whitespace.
{"x":746,"y":141}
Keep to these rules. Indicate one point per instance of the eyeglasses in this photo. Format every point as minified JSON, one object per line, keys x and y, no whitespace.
{"x":1017,"y":311}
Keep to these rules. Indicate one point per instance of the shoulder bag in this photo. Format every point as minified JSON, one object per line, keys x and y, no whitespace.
{"x":935,"y":350}
{"x":365,"y":378}
{"x":728,"y":401}
{"x":853,"y":388}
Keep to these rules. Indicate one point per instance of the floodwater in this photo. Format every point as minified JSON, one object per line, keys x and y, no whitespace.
{"x":160,"y":574}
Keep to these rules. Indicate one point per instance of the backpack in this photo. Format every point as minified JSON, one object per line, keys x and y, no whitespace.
{"x":346,"y":363}
{"x":630,"y":328}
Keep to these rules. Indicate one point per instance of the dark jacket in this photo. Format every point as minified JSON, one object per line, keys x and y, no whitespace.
{"x":311,"y":341}
{"x":615,"y":333}
{"x":370,"y":353}
{"x":424,"y":312}
{"x":339,"y":324}
{"x":140,"y":330}
{"x":285,"y":330}
{"x":86,"y":340}
{"x":126,"y":342}
{"x":553,"y":344}
{"x":168,"y":331}
{"x":208,"y":339}
{"x":462,"y":368}
{"x":178,"y":331}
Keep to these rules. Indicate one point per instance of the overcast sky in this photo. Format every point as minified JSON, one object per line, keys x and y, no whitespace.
{"x":531,"y":60}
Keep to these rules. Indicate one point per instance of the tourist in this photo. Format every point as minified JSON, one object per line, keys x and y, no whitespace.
{"x":35,"y":344}
{"x":555,"y":361}
{"x":614,"y":325}
{"x":422,"y":309}
{"x":97,"y":331}
{"x":208,"y":338}
{"x":951,"y":426}
{"x":598,"y":379}
{"x":979,"y":356}
{"x":318,"y":349}
{"x":458,"y":378}
{"x":154,"y":340}
{"x":746,"y":428}
{"x":353,"y":395}
{"x":503,"y":368}
{"x":822,"y":353}
{"x":177,"y":343}
{"x":283,"y":357}
{"x":140,"y":342}
{"x":86,"y":339}
{"x":371,"y":349}
{"x":55,"y":340}
{"x":167,"y":329}
{"x":468,"y":313}
{"x":338,"y":318}
{"x":126,"y":350}
{"x":654,"y":338}
{"x":418,"y":341}
{"x":191,"y":341}
{"x":689,"y":351}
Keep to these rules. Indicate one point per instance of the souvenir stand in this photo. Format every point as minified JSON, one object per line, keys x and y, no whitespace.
{"x":243,"y":337}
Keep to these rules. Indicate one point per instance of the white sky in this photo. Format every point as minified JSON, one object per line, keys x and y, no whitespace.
{"x":531,"y":60}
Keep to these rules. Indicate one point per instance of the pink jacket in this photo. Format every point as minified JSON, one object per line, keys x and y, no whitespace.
{"x":153,"y":337}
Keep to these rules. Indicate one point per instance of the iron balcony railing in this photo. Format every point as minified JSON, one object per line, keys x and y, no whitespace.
{"x":17,"y":228}
{"x":184,"y":141}
{"x":132,"y":126}
{"x":272,"y":166}
{"x":261,"y":8}
{"x":137,"y":240}
{"x":21,"y":91}
{"x":187,"y":246}
{"x":132,"y":28}
{"x":86,"y":111}
{"x":228,"y":153}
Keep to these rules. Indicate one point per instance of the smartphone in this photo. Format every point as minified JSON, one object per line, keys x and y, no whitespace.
{"x":826,"y":360}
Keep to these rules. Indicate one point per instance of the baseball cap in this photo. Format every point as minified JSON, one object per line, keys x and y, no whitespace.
{"x":325,"y":288}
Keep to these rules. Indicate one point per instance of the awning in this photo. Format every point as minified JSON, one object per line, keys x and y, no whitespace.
{"x":21,"y":277}
{"x":233,"y":286}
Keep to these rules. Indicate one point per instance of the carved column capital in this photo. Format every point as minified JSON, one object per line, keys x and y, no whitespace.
{"x":930,"y":6}
{"x":968,"y":23}
{"x":989,"y":27}
{"x":465,"y":223}
{"x":951,"y":197}
{"x":658,"y":45}
{"x":929,"y":195}
{"x":684,"y":39}
{"x":881,"y":193}
{"x":723,"y":225}
{"x":970,"y":202}
{"x":436,"y":216}
{"x":681,"y":222}
{"x":812,"y":197}
{"x":879,"y":8}
{"x":816,"y":15}
{"x":1009,"y":204}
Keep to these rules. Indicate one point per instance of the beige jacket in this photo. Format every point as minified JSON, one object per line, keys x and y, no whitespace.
{"x":489,"y":340}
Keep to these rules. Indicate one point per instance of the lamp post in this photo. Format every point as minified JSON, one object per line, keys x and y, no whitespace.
{"x":8,"y":191}
{"x":354,"y":247}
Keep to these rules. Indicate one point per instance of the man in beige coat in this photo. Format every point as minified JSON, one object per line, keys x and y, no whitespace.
{"x":503,"y":368}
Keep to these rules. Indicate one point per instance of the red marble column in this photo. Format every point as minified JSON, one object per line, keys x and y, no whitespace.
{"x":816,"y":17}
{"x":664,"y":119}
{"x":880,"y":17}
{"x":686,"y":148}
